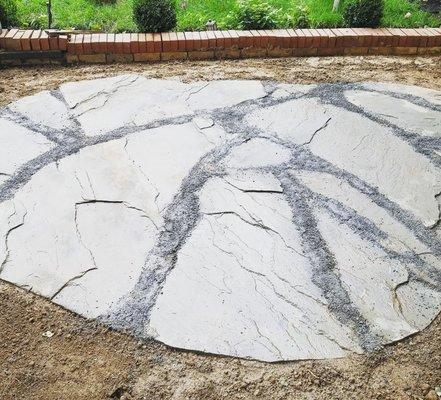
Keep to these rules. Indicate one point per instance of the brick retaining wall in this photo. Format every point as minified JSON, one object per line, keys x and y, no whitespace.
{"x":127,"y":47}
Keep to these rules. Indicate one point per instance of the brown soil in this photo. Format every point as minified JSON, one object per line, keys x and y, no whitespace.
{"x":84,"y":360}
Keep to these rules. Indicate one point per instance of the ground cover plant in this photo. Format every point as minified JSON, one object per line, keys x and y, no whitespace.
{"x":117,"y":15}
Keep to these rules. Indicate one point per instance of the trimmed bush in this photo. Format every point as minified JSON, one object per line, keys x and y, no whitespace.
{"x":363,"y":13}
{"x":154,"y":15}
{"x":8,"y":13}
{"x":257,"y":14}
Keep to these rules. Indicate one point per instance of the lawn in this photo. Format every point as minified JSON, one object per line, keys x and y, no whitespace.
{"x":116,"y":15}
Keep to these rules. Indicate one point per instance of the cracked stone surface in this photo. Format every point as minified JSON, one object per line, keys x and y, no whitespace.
{"x":243,"y":218}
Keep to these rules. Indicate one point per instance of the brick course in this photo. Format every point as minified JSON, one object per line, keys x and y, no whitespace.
{"x":126,"y":47}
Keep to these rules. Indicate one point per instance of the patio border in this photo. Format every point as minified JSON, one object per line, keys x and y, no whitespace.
{"x":230,"y":44}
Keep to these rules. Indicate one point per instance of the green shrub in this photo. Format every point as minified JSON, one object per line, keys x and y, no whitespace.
{"x":8,"y":13}
{"x":363,"y":13}
{"x":154,"y":15}
{"x":256,"y":14}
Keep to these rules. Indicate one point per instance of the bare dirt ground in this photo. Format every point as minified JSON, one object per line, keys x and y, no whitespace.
{"x":84,"y":360}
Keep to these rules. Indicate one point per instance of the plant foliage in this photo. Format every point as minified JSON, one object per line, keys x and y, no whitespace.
{"x":363,"y":13}
{"x":154,"y":15}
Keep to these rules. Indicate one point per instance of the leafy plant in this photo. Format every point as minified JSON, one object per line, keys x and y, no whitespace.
{"x":257,"y":14}
{"x":154,"y":15}
{"x":363,"y":13}
{"x":36,"y":21}
{"x":8,"y":13}
{"x":301,"y":16}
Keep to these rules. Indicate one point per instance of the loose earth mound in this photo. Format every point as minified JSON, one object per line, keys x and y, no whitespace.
{"x":276,"y":222}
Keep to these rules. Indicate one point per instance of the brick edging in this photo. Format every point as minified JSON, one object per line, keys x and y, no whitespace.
{"x":107,"y":47}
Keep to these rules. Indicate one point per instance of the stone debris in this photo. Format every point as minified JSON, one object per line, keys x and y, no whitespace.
{"x":256,"y":220}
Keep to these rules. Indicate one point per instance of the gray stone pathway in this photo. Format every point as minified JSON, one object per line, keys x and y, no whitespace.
{"x":244,"y":218}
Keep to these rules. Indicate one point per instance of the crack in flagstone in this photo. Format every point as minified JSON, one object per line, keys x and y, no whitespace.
{"x":69,"y":282}
{"x":317,"y":131}
{"x":6,"y":238}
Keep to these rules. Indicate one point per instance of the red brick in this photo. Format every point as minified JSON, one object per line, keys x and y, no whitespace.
{"x":53,"y":40}
{"x":255,"y":38}
{"x":267,"y":39}
{"x":309,"y":38}
{"x":3,"y":33}
{"x":411,"y":38}
{"x":201,"y":55}
{"x":120,"y":58}
{"x":227,"y":39}
{"x":95,"y":43}
{"x":272,"y":39}
{"x":364,"y":39}
{"x":119,"y":48}
{"x":146,"y":57}
{"x":245,"y":39}
{"x":231,"y":54}
{"x":435,"y":38}
{"x":173,"y":41}
{"x":9,"y":39}
{"x":345,"y":37}
{"x":87,"y":44}
{"x":204,"y":40}
{"x":294,"y":39}
{"x":26,"y":40}
{"x":220,"y":40}
{"x":157,"y":42}
{"x":126,"y":43}
{"x":429,"y":35}
{"x":331,"y":38}
{"x":110,"y":43}
{"x":316,"y":37}
{"x":386,"y":38}
{"x":303,"y":38}
{"x":150,"y":42}
{"x":371,"y":37}
{"x":279,"y":52}
{"x":92,"y":58}
{"x":404,"y":51}
{"x":305,"y":52}
{"x":330,"y":51}
{"x":100,"y":46}
{"x":356,"y":51}
{"x":234,"y":38}
{"x":280,"y":38}
{"x":211,"y":36}
{"x":181,"y":41}
{"x":44,"y":41}
{"x":142,"y":44}
{"x":62,"y":42}
{"x":10,"y":42}
{"x":189,"y":41}
{"x":381,"y":51}
{"x":134,"y":43}
{"x":253,"y":52}
{"x":350,"y":38}
{"x":166,"y":41}
{"x":174,"y":55}
{"x":70,"y":45}
{"x":323,"y":38}
{"x":77,"y":41}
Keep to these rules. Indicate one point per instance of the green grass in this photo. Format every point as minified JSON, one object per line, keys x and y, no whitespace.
{"x":116,"y":16}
